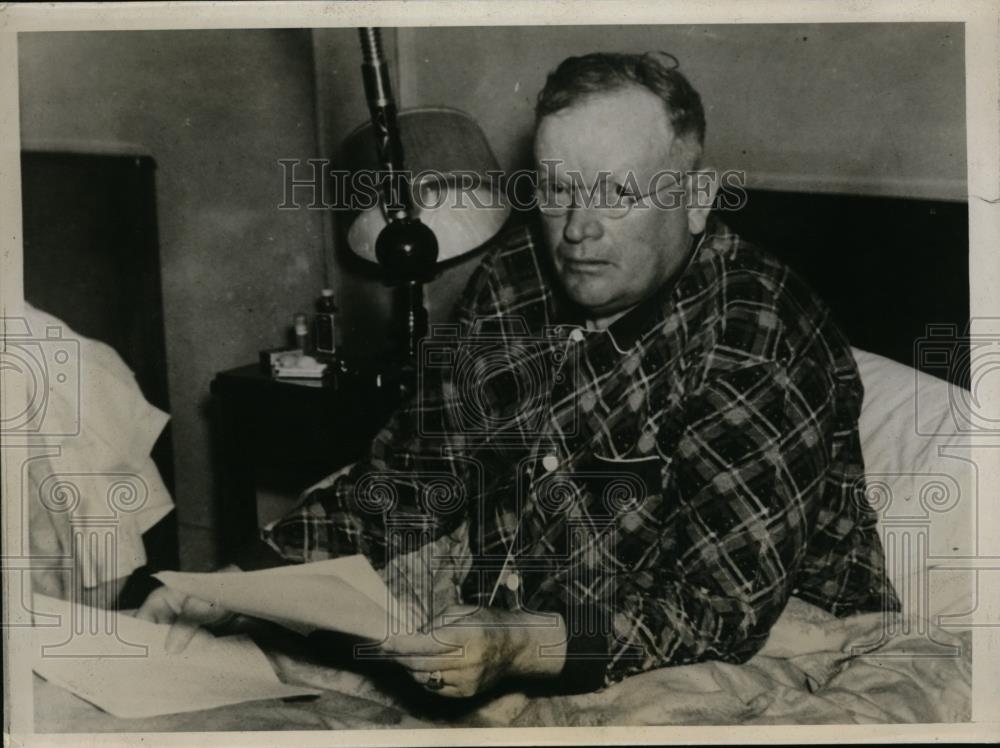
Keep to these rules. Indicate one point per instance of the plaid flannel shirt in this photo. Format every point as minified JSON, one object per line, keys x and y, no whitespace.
{"x":665,"y":484}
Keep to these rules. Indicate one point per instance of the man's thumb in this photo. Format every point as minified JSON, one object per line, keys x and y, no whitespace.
{"x":180,"y":635}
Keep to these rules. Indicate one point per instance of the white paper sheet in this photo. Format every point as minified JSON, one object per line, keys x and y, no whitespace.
{"x":343,"y":594}
{"x":119,"y":663}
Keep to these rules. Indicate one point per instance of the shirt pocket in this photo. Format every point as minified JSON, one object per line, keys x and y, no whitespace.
{"x":625,"y":495}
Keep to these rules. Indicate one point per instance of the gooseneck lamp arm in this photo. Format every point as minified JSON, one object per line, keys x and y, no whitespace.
{"x":406,"y":248}
{"x":396,"y":202}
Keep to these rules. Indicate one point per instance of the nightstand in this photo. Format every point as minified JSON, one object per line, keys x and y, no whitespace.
{"x":286,"y":434}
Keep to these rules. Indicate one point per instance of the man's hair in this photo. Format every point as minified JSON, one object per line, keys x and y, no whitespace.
{"x":578,"y":78}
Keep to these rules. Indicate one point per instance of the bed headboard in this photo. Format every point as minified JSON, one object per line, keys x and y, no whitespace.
{"x":887,"y":267}
{"x":91,"y":258}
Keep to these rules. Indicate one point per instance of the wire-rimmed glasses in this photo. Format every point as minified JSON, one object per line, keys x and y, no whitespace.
{"x":610,"y":198}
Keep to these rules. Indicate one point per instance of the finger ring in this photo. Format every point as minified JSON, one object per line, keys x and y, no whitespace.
{"x":435,"y":681}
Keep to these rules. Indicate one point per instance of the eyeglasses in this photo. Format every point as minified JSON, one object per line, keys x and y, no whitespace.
{"x":610,"y":199}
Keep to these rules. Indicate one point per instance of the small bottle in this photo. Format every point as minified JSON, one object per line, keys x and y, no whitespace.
{"x":326,"y":324}
{"x":301,"y":333}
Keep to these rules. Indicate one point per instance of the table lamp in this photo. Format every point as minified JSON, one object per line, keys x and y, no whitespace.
{"x":438,"y":203}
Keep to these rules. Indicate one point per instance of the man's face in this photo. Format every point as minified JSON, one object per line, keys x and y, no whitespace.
{"x":608,"y":265}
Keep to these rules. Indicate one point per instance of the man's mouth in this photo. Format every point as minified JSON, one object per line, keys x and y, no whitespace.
{"x":584,"y":265}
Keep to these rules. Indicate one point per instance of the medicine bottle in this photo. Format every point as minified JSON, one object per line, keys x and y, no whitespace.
{"x":301,"y":325}
{"x":326,"y":324}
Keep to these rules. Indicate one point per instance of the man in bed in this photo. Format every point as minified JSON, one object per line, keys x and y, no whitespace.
{"x":685,"y":458}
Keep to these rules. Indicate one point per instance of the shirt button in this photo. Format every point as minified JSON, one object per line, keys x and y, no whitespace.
{"x":576,"y":335}
{"x":550,"y":463}
{"x":513,"y":581}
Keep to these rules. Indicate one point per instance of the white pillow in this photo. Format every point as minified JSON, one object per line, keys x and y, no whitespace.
{"x":922,"y":480}
{"x":102,"y":400}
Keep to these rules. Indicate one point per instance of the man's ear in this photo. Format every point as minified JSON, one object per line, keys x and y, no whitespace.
{"x":703,"y":183}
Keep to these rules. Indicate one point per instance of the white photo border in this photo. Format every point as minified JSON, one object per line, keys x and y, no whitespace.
{"x":983,"y":130}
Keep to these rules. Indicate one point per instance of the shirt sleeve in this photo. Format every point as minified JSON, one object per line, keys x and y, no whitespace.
{"x":748,"y":457}
{"x":408,"y":484}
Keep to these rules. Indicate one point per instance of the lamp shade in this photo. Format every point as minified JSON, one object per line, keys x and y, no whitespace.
{"x":450,"y":163}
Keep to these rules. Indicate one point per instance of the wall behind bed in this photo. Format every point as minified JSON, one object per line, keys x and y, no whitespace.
{"x":215,"y":109}
{"x":874,"y":109}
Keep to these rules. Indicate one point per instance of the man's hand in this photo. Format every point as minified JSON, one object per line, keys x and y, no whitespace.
{"x":464,"y":657}
{"x":184,"y":613}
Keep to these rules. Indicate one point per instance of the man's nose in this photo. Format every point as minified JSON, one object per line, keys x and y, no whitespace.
{"x":583,"y":223}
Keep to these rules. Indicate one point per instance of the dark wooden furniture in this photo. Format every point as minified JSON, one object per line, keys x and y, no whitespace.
{"x":285,"y":435}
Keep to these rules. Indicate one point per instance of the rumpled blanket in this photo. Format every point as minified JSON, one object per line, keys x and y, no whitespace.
{"x":814,"y":669}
